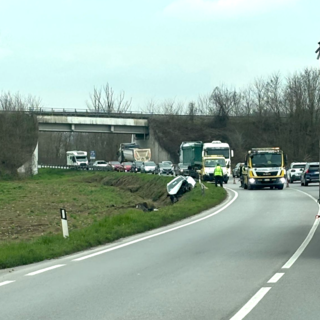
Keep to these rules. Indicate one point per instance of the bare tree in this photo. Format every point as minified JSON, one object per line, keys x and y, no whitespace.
{"x":104,"y":100}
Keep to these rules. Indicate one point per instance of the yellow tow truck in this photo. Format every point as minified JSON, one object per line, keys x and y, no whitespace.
{"x":264,"y":167}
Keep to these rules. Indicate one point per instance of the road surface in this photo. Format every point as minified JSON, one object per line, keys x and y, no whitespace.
{"x":236,"y":261}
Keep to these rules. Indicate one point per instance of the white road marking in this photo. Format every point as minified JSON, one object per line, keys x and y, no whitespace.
{"x":251,"y":304}
{"x":44,"y":270}
{"x":159,"y":233}
{"x":304,"y":244}
{"x":276,"y":278}
{"x":5,"y":282}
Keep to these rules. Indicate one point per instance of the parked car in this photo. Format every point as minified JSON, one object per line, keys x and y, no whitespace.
{"x":136,"y":166}
{"x":236,"y":170}
{"x":127,"y":166}
{"x":116,"y":165}
{"x":164,"y":168}
{"x":295,"y":171}
{"x":182,"y":169}
{"x":148,"y":167}
{"x":310,"y":173}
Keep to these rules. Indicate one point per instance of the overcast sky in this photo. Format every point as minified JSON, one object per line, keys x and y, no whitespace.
{"x":150,"y":49}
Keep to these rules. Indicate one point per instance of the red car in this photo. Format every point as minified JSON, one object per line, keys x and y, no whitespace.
{"x":127,"y":166}
{"x":116,"y":165}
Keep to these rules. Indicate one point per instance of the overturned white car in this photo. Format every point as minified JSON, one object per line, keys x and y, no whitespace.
{"x":178,"y":186}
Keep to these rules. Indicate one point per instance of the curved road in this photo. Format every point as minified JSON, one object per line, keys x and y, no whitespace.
{"x":218,"y":266}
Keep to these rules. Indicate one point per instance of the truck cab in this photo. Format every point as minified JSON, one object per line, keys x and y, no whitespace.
{"x":264,"y":167}
{"x":77,"y":158}
{"x":208,"y":165}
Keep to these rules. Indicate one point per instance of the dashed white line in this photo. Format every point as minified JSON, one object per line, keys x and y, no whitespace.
{"x":276,"y":278}
{"x":44,"y":270}
{"x":6,"y":282}
{"x":159,"y":233}
{"x":251,"y":304}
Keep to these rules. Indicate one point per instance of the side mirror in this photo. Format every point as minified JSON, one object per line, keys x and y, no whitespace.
{"x":228,"y":165}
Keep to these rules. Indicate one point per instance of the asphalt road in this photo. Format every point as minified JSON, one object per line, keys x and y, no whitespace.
{"x":216,"y":265}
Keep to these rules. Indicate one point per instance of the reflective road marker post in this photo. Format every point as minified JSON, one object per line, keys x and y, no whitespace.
{"x":64,"y":223}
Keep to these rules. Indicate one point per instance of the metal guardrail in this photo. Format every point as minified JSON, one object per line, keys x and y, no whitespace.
{"x":93,"y":168}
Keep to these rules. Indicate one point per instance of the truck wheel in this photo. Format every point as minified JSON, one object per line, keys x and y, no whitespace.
{"x":250,"y":187}
{"x":280,"y":187}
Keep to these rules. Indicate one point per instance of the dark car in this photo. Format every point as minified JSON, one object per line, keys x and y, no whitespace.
{"x":164,"y":168}
{"x":236,"y":170}
{"x":182,"y":169}
{"x":136,"y":166}
{"x":310,"y":173}
{"x":116,"y":165}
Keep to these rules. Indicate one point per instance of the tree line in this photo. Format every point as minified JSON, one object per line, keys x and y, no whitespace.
{"x":272,"y":111}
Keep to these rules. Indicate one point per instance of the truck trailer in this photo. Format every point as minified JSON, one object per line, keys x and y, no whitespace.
{"x":132,"y":152}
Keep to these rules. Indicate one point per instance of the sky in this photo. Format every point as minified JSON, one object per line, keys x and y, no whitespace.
{"x":152,"y":50}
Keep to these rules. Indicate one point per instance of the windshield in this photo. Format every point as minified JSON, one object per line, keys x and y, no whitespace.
{"x":212,"y":163}
{"x":83,"y":158}
{"x":184,"y":165}
{"x":151,"y":163}
{"x":127,"y":163}
{"x":164,"y":165}
{"x":218,"y":151}
{"x":262,"y":160}
{"x":114,"y":162}
{"x":295,"y":166}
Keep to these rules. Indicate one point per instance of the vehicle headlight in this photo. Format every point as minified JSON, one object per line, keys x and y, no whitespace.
{"x":251,"y":180}
{"x":282,"y":180}
{"x":181,"y":170}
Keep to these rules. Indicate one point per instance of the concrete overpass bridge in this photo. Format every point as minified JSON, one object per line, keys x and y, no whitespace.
{"x":120,"y":123}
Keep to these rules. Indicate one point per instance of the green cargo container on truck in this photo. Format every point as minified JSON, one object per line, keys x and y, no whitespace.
{"x":191,"y":153}
{"x":264,"y":167}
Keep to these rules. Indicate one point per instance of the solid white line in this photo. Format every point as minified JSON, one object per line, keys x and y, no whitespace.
{"x":276,"y":278}
{"x":250,"y":304}
{"x":44,"y":270}
{"x":304,"y":244}
{"x":5,"y":282}
{"x":159,"y":233}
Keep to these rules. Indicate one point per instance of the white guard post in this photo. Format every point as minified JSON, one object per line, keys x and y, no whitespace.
{"x":64,"y":223}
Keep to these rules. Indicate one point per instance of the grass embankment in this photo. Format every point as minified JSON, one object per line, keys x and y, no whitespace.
{"x":101,"y":207}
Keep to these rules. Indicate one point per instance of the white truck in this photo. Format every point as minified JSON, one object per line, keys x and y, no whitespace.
{"x":295,"y":171}
{"x":220,"y":149}
{"x":77,"y":158}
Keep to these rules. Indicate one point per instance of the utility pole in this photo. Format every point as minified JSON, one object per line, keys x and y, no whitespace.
{"x":318,"y":56}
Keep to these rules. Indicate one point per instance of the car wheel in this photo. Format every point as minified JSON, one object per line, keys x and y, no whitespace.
{"x":280,"y":187}
{"x":291,"y":180}
{"x":302,"y":183}
{"x":306,"y":183}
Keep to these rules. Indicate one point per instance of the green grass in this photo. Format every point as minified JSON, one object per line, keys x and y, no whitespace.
{"x":109,"y":214}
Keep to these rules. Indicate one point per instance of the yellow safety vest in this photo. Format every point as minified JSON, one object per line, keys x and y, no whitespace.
{"x":218,"y":171}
